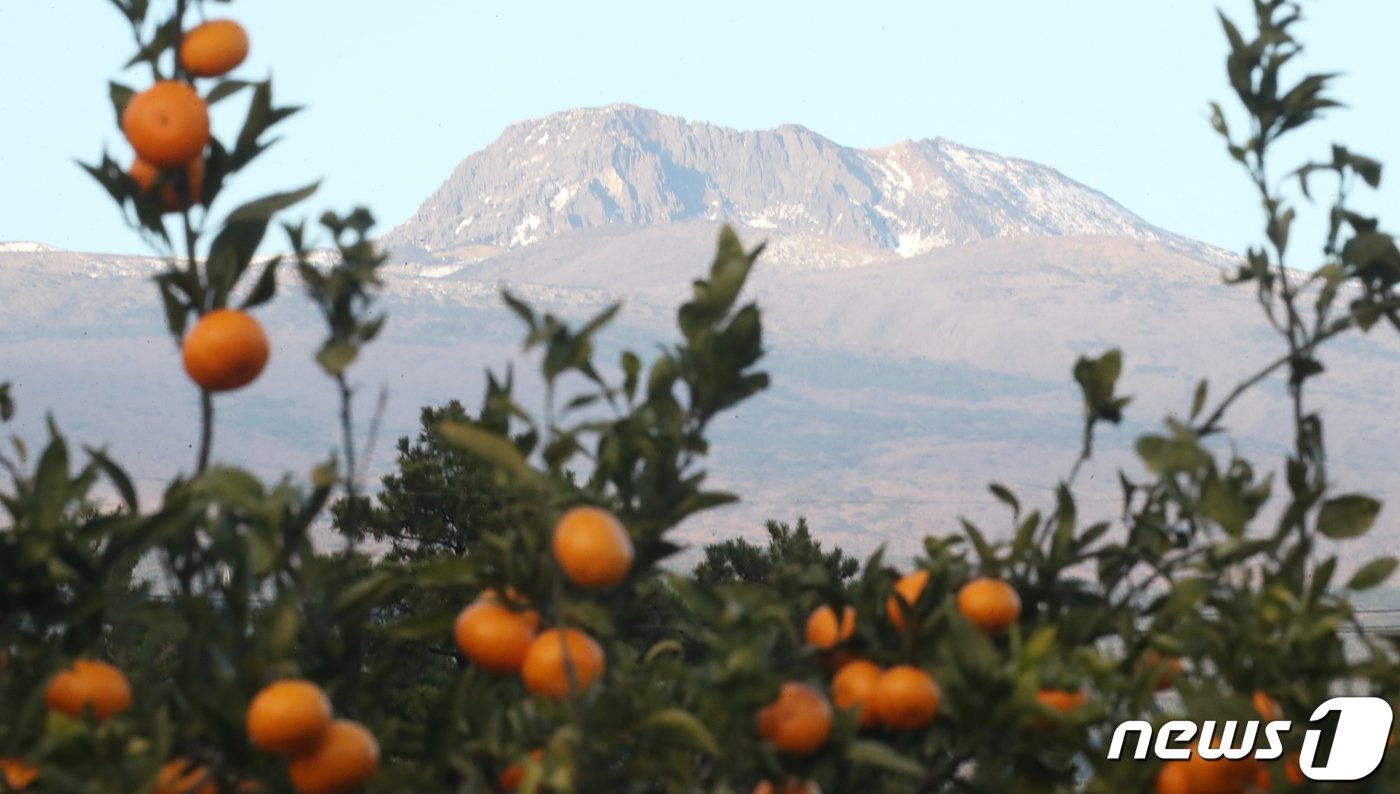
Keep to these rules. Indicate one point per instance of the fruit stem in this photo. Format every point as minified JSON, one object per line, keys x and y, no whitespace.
{"x":206,"y":430}
{"x":347,"y":430}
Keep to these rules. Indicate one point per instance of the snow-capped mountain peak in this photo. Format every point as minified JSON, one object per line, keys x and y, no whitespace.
{"x":622,"y":164}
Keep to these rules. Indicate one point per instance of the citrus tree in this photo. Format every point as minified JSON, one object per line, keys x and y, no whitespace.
{"x":535,"y":636}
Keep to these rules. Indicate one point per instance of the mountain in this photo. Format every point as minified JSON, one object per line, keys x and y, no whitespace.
{"x":621,"y":164}
{"x":904,"y":381}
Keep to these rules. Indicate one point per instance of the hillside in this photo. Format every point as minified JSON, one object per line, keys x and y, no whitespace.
{"x":906,"y":376}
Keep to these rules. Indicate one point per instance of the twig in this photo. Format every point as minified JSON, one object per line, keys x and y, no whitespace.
{"x":206,"y":430}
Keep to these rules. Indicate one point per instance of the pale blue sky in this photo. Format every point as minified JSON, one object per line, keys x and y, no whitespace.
{"x":1111,"y":92}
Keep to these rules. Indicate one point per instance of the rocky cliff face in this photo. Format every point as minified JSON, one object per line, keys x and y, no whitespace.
{"x":625,"y":165}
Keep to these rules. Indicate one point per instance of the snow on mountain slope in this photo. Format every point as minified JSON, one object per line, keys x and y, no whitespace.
{"x":622,"y":164}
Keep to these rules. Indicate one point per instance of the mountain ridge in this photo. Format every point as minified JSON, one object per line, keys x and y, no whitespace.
{"x":625,"y":165}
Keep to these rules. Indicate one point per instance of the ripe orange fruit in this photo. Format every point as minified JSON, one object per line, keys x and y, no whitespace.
{"x":288,"y":717}
{"x":493,"y":636}
{"x":513,"y":600}
{"x":346,"y":756}
{"x":180,"y":776}
{"x":855,"y":685}
{"x":1172,"y":778}
{"x":1268,"y":708}
{"x":1221,"y":776}
{"x":515,"y":773}
{"x":991,"y":604}
{"x":1061,"y":700}
{"x":1293,"y":769}
{"x":227,"y":349}
{"x":17,"y":774}
{"x":214,"y":48}
{"x":172,"y":195}
{"x":790,"y":787}
{"x":822,"y":631}
{"x":89,"y":683}
{"x":167,"y":124}
{"x":1168,"y":670}
{"x":544,"y":671}
{"x":909,"y":587}
{"x":592,"y":548}
{"x":798,"y":722}
{"x":907,"y":697}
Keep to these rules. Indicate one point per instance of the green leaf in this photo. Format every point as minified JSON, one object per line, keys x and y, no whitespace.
{"x":324,"y":475}
{"x":366,"y":592}
{"x":1098,"y":378}
{"x":1066,"y":521}
{"x":631,"y":367}
{"x":1368,"y":169}
{"x":51,"y":484}
{"x":265,"y":207}
{"x":521,"y":309}
{"x":703,"y":500}
{"x":878,"y":754}
{"x":604,"y":317}
{"x":449,"y":572}
{"x":664,"y":646}
{"x":1373,"y":574}
{"x":120,"y":95}
{"x":116,"y":475}
{"x":1347,"y":516}
{"x":979,"y":541}
{"x":226,"y":89}
{"x":228,"y":484}
{"x":686,"y":725}
{"x":488,"y":446}
{"x":166,"y":37}
{"x":424,"y":627}
{"x":1041,"y":643}
{"x":230,"y":255}
{"x":1223,"y":504}
{"x":1199,"y":400}
{"x":334,"y":358}
{"x":1001,"y":492}
{"x":265,"y":288}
